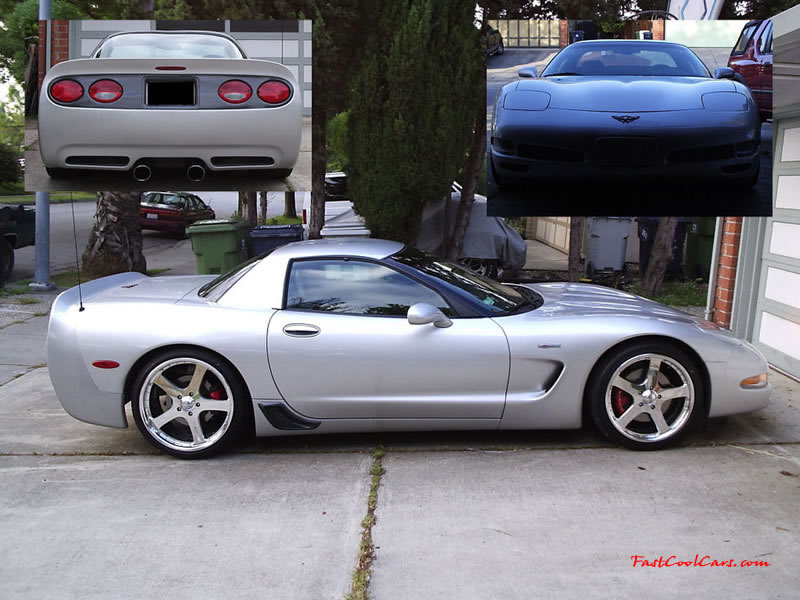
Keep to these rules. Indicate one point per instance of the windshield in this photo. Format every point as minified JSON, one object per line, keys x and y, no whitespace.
{"x":613,"y":58}
{"x":168,"y":45}
{"x":498,"y":298}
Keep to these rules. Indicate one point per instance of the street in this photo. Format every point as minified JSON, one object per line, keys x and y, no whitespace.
{"x":62,"y":240}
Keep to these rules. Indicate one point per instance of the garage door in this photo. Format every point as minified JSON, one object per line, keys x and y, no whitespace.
{"x":777,"y":325}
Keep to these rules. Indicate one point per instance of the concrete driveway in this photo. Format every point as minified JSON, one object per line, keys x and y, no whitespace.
{"x":94,"y":512}
{"x":37,"y":179}
{"x":630,"y":195}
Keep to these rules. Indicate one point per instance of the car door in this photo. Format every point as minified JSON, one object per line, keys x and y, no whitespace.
{"x":342,"y":347}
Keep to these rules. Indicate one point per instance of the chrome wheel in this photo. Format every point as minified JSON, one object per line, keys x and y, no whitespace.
{"x":185,"y":404}
{"x":649,"y":397}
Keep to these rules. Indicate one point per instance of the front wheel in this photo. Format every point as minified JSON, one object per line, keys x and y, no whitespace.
{"x":189,"y":403}
{"x":646,"y":396}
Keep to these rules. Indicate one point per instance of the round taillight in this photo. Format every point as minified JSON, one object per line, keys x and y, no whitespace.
{"x":235,"y":91}
{"x":66,"y":90}
{"x":105,"y":90}
{"x":274,"y":92}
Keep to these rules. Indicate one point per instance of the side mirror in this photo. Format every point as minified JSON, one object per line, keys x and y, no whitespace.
{"x":422,"y":314}
{"x":724,"y":73}
{"x":529,"y":72}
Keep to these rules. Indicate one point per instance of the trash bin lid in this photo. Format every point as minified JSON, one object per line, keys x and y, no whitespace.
{"x":215,"y":225}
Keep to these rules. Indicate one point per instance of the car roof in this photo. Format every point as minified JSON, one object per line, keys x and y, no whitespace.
{"x":366,"y":247}
{"x":616,"y":42}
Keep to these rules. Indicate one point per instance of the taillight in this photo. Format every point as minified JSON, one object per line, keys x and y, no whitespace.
{"x":274,"y":92}
{"x":66,"y":90}
{"x":235,"y":91}
{"x":105,"y":90}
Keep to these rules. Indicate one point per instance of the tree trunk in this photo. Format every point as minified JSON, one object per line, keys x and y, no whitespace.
{"x":660,"y":256}
{"x":476,"y":163}
{"x":575,"y":238}
{"x":262,"y":212}
{"x":115,"y":242}
{"x":248,"y":208}
{"x":289,"y":209}
{"x":319,"y":158}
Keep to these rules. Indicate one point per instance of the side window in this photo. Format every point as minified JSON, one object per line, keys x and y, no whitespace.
{"x":744,"y":39}
{"x":765,"y":41}
{"x":356,"y":287}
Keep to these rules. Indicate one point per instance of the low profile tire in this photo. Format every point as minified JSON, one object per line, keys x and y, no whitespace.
{"x":646,"y":396}
{"x":189,"y":403}
{"x":6,"y":260}
{"x":279,"y":173}
{"x":501,"y":49}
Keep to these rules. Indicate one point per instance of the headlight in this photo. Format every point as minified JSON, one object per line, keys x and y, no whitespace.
{"x":725,"y":102}
{"x":526,"y":100}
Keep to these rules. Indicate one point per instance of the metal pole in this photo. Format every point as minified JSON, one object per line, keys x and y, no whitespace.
{"x":41,"y":275}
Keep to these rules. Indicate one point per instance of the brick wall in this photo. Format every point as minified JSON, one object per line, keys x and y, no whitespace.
{"x":59,"y":45}
{"x":726,"y":275}
{"x":563,"y":33}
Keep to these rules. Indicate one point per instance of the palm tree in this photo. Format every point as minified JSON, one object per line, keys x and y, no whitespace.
{"x":115,"y":242}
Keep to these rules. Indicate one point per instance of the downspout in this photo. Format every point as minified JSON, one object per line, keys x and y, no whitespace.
{"x":712,"y":276}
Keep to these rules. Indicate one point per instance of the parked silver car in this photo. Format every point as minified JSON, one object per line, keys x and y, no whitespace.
{"x":370,"y":335}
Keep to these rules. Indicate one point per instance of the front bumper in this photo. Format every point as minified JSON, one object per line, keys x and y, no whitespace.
{"x":728,"y":396}
{"x":557,"y":143}
{"x":115,"y":140}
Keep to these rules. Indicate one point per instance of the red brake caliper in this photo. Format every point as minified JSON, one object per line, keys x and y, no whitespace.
{"x":216,"y":394}
{"x":620,"y":401}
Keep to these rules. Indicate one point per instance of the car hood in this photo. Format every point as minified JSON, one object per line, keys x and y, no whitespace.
{"x":624,"y":93}
{"x":584,"y":300}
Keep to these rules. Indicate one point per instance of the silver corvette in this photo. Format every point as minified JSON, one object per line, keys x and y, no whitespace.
{"x":178,"y":99}
{"x":361,"y":335}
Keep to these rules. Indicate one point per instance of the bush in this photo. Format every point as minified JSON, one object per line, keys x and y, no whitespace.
{"x":10,"y":171}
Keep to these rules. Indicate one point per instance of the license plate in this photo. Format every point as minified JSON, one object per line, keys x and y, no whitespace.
{"x":152,"y":216}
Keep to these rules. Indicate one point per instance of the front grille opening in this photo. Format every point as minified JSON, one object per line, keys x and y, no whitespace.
{"x":706,"y":154}
{"x":171,"y":93}
{"x":548,"y":153}
{"x":242,"y":161}
{"x":95,"y":161}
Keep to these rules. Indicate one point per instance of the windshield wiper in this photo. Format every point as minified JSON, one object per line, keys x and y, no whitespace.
{"x":564,"y":73}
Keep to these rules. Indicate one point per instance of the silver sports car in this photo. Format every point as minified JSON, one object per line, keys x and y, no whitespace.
{"x":610,"y":108}
{"x":179,"y":99}
{"x":360,"y":335}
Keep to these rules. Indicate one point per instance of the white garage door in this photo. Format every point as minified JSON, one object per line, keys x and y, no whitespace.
{"x":777,"y":325}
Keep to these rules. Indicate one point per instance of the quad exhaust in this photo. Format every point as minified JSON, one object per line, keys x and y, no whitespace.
{"x":196,"y":173}
{"x":142,"y":173}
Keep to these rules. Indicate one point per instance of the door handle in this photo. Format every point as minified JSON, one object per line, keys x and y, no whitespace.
{"x":300,"y":330}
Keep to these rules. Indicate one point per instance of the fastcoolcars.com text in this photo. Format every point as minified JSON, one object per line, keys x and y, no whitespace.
{"x":704,"y":561}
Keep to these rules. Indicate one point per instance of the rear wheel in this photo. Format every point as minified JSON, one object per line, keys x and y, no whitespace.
{"x":646,"y":396}
{"x":189,"y":403}
{"x":6,"y":260}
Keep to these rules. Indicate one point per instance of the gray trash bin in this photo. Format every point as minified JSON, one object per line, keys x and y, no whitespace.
{"x":606,"y":243}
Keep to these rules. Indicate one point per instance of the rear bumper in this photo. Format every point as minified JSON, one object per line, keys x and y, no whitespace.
{"x":115,"y":140}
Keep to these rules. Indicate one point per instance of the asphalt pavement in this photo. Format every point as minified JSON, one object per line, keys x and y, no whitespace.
{"x":94,"y":512}
{"x":630,"y":195}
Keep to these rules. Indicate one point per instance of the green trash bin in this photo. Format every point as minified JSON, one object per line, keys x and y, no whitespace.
{"x":219,"y":245}
{"x":700,"y":247}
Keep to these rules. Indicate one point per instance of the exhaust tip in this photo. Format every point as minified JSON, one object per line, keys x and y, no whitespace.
{"x":142,"y":173}
{"x":196,"y":173}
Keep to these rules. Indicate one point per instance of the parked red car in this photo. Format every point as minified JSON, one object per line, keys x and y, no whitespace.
{"x":751,"y":57}
{"x":172,"y":211}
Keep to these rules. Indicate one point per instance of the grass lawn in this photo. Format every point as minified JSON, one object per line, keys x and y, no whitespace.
{"x":55,"y":197}
{"x":63,"y":280}
{"x":685,"y":292}
{"x":281,"y":220}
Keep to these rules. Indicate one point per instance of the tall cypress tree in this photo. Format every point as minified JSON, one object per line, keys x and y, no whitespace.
{"x":411,"y":111}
